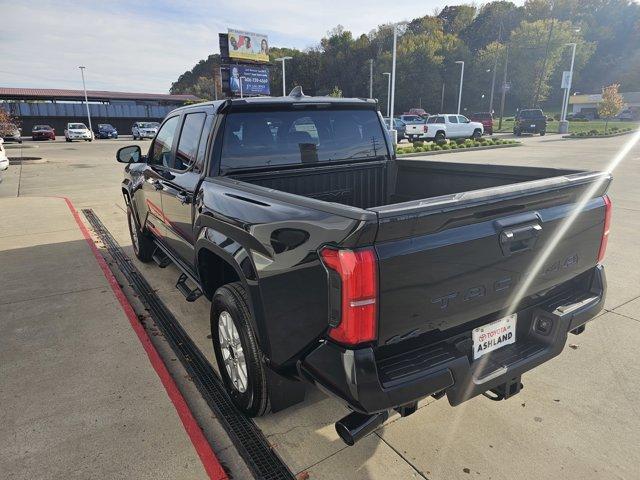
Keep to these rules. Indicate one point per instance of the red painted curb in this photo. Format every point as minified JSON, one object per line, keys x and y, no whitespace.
{"x":209,"y":460}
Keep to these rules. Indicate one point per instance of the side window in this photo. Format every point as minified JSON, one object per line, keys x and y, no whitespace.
{"x":161,"y":149}
{"x":202,"y":147}
{"x":440,"y":120}
{"x":453,"y":119}
{"x":189,"y":138}
{"x":463,"y":119}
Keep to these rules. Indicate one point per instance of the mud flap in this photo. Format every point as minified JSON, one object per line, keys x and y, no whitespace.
{"x":283,"y":392}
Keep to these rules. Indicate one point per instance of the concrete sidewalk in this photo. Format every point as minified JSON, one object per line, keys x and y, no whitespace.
{"x":78,"y":395}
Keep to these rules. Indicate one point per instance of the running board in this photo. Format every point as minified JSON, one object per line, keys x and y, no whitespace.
{"x":161,"y":258}
{"x":191,"y":295}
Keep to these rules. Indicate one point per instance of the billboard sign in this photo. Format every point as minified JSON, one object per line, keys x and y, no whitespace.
{"x":255,"y":80}
{"x":248,"y":46}
{"x":566,"y":79}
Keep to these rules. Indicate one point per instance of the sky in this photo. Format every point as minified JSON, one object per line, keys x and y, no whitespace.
{"x":143,"y":46}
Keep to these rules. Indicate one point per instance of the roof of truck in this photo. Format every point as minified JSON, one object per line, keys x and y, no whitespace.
{"x":288,"y":100}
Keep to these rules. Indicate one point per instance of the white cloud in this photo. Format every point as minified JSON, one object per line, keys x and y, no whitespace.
{"x":145,"y":45}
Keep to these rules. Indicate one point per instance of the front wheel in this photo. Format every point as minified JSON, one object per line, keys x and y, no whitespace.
{"x":237,"y":353}
{"x":476,"y":134}
{"x":542,"y":133}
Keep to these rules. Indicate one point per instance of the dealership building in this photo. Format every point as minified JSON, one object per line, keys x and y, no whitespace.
{"x":587,"y":104}
{"x":56,"y":107}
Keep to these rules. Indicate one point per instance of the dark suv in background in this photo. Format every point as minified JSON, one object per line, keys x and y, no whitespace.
{"x":530,"y":121}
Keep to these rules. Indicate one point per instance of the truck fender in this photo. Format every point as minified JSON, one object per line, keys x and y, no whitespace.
{"x":236,"y":258}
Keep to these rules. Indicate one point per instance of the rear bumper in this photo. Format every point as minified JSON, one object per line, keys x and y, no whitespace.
{"x":370,"y":385}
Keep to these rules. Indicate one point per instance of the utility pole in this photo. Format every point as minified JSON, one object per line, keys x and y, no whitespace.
{"x":493,"y":75}
{"x":504,"y":87}
{"x":371,"y":78}
{"x":442,"y":100}
{"x":86,"y":102}
{"x":564,"y":125}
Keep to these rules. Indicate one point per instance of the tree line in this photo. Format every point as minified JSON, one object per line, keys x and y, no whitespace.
{"x":531,"y":39}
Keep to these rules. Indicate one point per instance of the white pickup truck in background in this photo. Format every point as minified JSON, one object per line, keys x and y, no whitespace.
{"x":415,"y":127}
{"x":453,"y":126}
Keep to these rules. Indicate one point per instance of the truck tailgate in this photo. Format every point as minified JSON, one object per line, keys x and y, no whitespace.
{"x":451,"y":260}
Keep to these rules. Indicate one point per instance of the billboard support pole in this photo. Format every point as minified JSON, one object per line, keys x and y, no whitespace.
{"x":241,"y":78}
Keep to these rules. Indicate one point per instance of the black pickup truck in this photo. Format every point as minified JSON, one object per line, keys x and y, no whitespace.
{"x":329,"y":261}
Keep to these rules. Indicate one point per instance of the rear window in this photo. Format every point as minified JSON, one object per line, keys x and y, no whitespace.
{"x":412,"y":119}
{"x":259,"y":139}
{"x":531,"y":114}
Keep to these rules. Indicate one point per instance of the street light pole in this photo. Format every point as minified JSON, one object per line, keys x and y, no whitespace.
{"x":371,"y":78}
{"x":284,"y":81}
{"x":393,"y":82}
{"x":573,"y":58}
{"x":504,"y":86}
{"x":388,"y":74}
{"x":241,"y":94}
{"x":461,"y":80}
{"x":86,"y":101}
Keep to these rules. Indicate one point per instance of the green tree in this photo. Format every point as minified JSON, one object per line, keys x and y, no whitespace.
{"x":611,"y":104}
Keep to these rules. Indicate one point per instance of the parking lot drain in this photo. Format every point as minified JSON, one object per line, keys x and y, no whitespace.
{"x":245,"y":435}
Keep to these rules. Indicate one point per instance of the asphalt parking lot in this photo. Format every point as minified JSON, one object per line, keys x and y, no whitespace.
{"x":577,"y":417}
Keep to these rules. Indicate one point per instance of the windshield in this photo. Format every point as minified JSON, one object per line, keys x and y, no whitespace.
{"x":39,"y":128}
{"x":148,"y":124}
{"x":77,"y":126}
{"x":105,"y":126}
{"x":258,"y":139}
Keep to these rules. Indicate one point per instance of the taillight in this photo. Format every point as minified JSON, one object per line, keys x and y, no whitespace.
{"x":607,"y":226}
{"x":355,"y":290}
{"x":425,"y":128}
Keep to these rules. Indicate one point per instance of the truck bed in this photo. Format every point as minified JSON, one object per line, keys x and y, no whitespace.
{"x":375,"y":184}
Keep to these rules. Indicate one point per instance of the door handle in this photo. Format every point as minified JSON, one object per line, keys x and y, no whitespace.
{"x":184,"y":198}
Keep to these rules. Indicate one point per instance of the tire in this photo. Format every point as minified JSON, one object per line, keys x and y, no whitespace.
{"x":542,"y":133}
{"x":517,"y":132}
{"x":142,"y":243}
{"x":67,"y":139}
{"x":476,"y":134}
{"x":439,"y":137}
{"x":248,"y":387}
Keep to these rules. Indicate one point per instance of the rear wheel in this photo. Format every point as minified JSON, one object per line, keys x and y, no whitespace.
{"x":143,"y":245}
{"x":440,"y":137}
{"x":237,"y":353}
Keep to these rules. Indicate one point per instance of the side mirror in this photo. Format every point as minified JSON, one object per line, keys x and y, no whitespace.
{"x":130,"y":154}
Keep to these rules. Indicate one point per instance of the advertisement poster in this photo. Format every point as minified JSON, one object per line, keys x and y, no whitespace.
{"x":248,"y":46}
{"x":255,"y":80}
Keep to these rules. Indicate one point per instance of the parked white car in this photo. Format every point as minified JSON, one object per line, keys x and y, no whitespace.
{"x":142,"y":130}
{"x":455,"y":126}
{"x":4,"y":160}
{"x":77,"y":131}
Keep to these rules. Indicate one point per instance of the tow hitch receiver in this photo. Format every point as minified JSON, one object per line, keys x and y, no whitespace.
{"x":506,"y":390}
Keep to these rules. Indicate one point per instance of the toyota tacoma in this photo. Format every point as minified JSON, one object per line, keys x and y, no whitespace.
{"x":382,"y":281}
